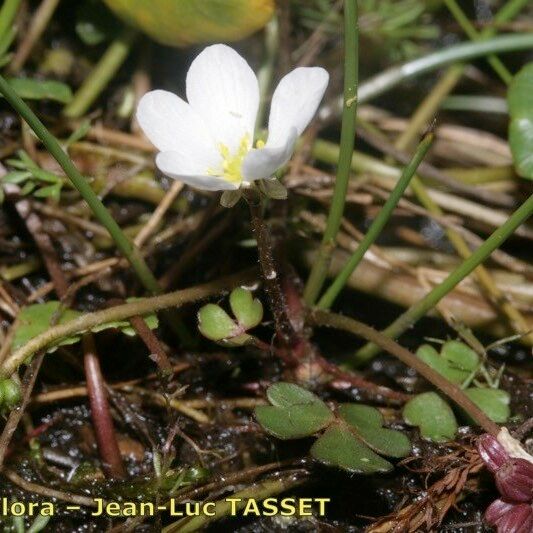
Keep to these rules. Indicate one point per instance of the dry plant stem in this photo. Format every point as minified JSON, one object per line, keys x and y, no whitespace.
{"x":45,"y":246}
{"x":516,"y":320}
{"x":427,"y":109}
{"x":428,"y":171}
{"x":69,"y":393}
{"x":417,"y":311}
{"x":48,"y":493}
{"x":227,"y":479}
{"x":258,"y":492}
{"x":325,"y":318}
{"x":100,"y":412}
{"x":141,"y":307}
{"x":199,"y":242}
{"x":269,"y":271}
{"x":38,"y":24}
{"x":158,"y":214}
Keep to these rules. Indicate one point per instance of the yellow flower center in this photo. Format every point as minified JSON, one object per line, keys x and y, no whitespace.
{"x":232,"y":163}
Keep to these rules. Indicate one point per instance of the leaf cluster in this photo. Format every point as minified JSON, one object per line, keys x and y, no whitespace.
{"x":351,"y":437}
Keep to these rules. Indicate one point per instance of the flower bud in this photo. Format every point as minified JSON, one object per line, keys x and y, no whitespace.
{"x":510,"y":517}
{"x":492,"y":452}
{"x":515,"y":480}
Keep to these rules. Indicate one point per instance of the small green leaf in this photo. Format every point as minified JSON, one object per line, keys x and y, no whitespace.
{"x":284,"y":394}
{"x":521,"y":142}
{"x":44,"y":175}
{"x":295,"y":412}
{"x":215,"y":324}
{"x":431,"y":357}
{"x":247,"y":310}
{"x":520,"y":100}
{"x":16,"y":176}
{"x":520,"y":94}
{"x":10,"y":393}
{"x":493,"y":402}
{"x":432,"y":415}
{"x":50,"y":191}
{"x":368,"y":422}
{"x":28,"y":188}
{"x":32,"y":89}
{"x":455,"y":362}
{"x":460,"y":356}
{"x":339,"y":447}
{"x":36,"y":319}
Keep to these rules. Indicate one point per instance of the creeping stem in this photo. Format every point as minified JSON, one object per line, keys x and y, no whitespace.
{"x":142,"y":306}
{"x":332,"y":320}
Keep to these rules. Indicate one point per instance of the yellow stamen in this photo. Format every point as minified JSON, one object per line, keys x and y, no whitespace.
{"x":232,"y":164}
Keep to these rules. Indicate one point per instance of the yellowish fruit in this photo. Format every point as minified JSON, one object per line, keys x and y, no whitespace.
{"x":186,"y":22}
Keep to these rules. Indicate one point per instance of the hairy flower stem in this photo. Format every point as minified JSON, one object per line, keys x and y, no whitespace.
{"x":325,"y":318}
{"x":100,"y":413}
{"x":276,"y":298}
{"x":319,"y":272}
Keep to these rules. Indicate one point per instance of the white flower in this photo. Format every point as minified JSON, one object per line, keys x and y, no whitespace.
{"x":208,"y":142}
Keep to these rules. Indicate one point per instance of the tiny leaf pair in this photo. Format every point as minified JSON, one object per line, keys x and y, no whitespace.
{"x":354,"y":438}
{"x":215,"y":324}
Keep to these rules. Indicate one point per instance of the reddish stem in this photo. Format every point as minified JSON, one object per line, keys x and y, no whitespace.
{"x":100,"y":413}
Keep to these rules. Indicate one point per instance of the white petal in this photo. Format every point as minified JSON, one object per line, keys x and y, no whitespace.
{"x":176,"y":165}
{"x":295,"y":102}
{"x":224,"y":91}
{"x":263,"y":162}
{"x":172,"y":125}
